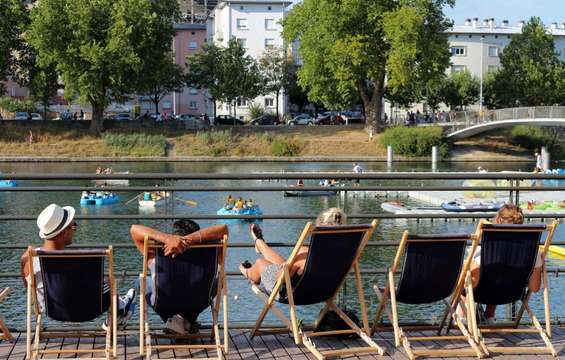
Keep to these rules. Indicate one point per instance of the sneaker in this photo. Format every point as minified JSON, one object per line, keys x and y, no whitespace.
{"x":127,"y":301}
{"x":192,"y":328}
{"x":175,"y":325}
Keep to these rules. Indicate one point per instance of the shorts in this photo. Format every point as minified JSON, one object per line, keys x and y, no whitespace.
{"x":269,"y":277}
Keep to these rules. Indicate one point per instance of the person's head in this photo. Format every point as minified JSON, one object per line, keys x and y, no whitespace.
{"x":330,"y":217}
{"x":57,"y":224}
{"x":509,"y":214}
{"x":185,"y":227}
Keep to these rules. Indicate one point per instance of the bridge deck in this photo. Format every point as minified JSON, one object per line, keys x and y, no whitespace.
{"x":273,"y":347}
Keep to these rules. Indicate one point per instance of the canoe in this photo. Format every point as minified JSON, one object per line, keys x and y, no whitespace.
{"x":8,"y":183}
{"x":100,"y":200}
{"x":455,"y":206}
{"x":304,"y":193}
{"x":115,"y":182}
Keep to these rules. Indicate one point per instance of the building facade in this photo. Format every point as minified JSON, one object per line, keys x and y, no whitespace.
{"x":256,"y":24}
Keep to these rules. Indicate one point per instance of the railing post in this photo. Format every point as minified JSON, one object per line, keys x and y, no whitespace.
{"x":545,"y":158}
{"x":389,"y":156}
{"x":434,"y":158}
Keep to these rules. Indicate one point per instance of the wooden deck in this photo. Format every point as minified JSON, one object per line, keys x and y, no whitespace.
{"x":270,"y":347}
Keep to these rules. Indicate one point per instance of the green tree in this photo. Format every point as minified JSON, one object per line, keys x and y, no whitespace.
{"x":204,"y":72}
{"x":276,"y":67}
{"x":43,"y":85}
{"x":353,"y":45}
{"x":101,"y":47}
{"x":460,"y":89}
{"x":13,"y":22}
{"x":531,"y":72}
{"x":166,"y":78}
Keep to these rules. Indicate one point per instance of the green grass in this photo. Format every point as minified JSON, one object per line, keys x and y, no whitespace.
{"x":137,"y":144}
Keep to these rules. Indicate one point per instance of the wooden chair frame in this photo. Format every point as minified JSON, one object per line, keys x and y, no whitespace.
{"x":400,"y":333}
{"x":300,"y":334}
{"x":513,"y":327}
{"x":4,"y":331}
{"x":33,"y":351}
{"x":145,"y":334}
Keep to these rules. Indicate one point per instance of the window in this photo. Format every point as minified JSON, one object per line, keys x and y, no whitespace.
{"x":270,"y":24}
{"x":167,"y":104}
{"x":269,"y":102}
{"x":193,"y":91}
{"x":269,"y":43}
{"x":241,"y":102}
{"x":493,"y":68}
{"x":193,"y":45}
{"x":242,"y":24}
{"x":192,"y":33}
{"x":458,"y":68}
{"x":493,"y":51}
{"x":193,"y":105}
{"x":242,"y":42}
{"x":458,"y":51}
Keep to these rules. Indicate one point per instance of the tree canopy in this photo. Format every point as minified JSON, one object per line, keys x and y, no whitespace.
{"x":351,"y":46}
{"x":165,"y":78}
{"x":101,"y":47}
{"x":13,"y":21}
{"x":276,"y":69}
{"x":460,"y":89}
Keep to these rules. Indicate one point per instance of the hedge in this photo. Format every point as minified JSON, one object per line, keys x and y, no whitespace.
{"x":415,"y":141}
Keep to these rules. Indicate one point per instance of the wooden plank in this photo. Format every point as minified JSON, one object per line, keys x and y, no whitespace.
{"x":15,"y":349}
{"x":275,"y":348}
{"x":260,"y":348}
{"x":240,"y":347}
{"x":386,"y":340}
{"x":286,"y":341}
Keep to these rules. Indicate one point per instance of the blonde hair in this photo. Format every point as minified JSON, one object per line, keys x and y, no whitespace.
{"x":331,"y":216}
{"x":509,"y":214}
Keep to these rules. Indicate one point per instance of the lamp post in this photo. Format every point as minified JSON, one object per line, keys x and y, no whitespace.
{"x":481,"y":76}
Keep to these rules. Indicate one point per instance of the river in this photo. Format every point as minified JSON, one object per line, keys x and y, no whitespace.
{"x":243,"y":305}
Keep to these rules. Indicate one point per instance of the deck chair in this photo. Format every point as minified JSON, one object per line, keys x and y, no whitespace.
{"x":74,"y":290}
{"x":334,"y":251}
{"x":508,"y":255}
{"x":185,"y":285}
{"x":4,"y":332}
{"x":433,"y":270}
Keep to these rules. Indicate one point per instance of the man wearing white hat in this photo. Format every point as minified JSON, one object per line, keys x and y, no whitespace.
{"x":56,"y":227}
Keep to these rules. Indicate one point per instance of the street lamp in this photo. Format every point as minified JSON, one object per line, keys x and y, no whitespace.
{"x":481,"y":76}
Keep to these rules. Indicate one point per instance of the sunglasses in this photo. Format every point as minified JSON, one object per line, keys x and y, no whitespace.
{"x":73,"y":225}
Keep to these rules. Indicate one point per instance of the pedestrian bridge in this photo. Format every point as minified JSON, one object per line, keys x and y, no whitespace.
{"x":471,"y":124}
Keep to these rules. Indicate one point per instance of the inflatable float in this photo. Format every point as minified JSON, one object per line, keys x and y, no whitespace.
{"x":150,"y":201}
{"x":114,"y":182}
{"x":253,"y":210}
{"x":456,"y":206}
{"x":98,"y":199}
{"x":8,"y":183}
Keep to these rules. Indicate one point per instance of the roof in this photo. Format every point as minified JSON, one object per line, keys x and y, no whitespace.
{"x":223,"y":3}
{"x":497,"y":30}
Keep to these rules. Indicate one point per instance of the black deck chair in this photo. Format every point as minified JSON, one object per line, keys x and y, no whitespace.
{"x":433,"y":270}
{"x":334,"y":251}
{"x":186,"y":285}
{"x":74,"y":290}
{"x":4,"y":331}
{"x":508,"y":255}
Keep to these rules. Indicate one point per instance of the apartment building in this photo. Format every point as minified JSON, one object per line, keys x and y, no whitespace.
{"x":257,"y":25}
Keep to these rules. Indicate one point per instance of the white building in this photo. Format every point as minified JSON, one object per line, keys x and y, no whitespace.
{"x":257,"y":25}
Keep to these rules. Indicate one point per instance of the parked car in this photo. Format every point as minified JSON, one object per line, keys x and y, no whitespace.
{"x":352,"y":117}
{"x":21,"y":116}
{"x":36,"y":116}
{"x":227,"y":120}
{"x":192,"y":122}
{"x":329,"y":118}
{"x":123,"y":117}
{"x":267,"y":119}
{"x":302,"y":119}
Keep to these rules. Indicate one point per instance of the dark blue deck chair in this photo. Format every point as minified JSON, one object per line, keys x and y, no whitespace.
{"x":4,"y":331}
{"x":333,"y":253}
{"x":433,"y":270}
{"x":185,"y":285}
{"x":74,"y":290}
{"x":508,"y":256}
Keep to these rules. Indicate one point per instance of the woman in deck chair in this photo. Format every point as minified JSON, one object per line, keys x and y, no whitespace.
{"x":266,"y":270}
{"x":508,"y":214}
{"x":185,"y":233}
{"x":57,"y":227}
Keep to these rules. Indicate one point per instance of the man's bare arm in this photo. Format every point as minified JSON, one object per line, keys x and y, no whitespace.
{"x":139,"y":232}
{"x":212,"y":233}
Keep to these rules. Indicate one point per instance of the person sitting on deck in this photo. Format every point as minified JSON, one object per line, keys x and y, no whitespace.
{"x":266,"y":270}
{"x":508,"y":214}
{"x":185,"y":232}
{"x":57,"y":227}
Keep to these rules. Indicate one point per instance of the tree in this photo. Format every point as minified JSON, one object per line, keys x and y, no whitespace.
{"x":531,"y":72}
{"x":13,"y":21}
{"x":204,"y":72}
{"x":166,"y":78}
{"x":276,"y":68}
{"x":101,"y":47}
{"x":43,"y":85}
{"x":460,"y":89}
{"x":354,"y":45}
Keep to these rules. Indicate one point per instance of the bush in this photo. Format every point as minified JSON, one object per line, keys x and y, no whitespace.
{"x":532,"y":137}
{"x":255,"y":110}
{"x":137,"y":144}
{"x":15,"y":105}
{"x":415,"y":141}
{"x":285,"y":147}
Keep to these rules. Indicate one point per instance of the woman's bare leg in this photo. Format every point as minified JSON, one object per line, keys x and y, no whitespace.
{"x":254,"y":272}
{"x":270,"y":255}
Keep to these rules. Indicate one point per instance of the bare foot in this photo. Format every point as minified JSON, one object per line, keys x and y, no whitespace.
{"x":244,"y":271}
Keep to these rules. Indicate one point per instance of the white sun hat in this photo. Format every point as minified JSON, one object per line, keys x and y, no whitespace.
{"x":54,"y":219}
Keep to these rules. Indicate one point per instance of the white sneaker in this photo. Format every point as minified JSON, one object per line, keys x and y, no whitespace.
{"x":175,"y":325}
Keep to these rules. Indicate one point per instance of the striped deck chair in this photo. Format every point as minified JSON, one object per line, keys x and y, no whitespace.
{"x":185,"y":285}
{"x":74,"y":290}
{"x":4,"y":332}
{"x":508,"y":256}
{"x":433,"y":270}
{"x":334,"y":251}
